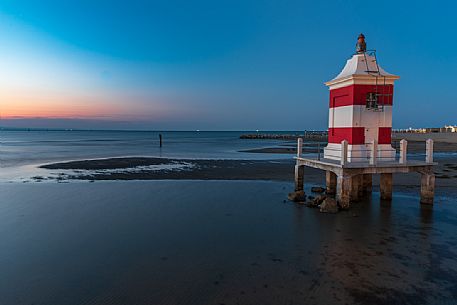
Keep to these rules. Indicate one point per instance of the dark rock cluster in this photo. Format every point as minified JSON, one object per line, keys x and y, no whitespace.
{"x":297,"y":196}
{"x":324,"y":203}
{"x":317,"y":189}
{"x":329,"y":206}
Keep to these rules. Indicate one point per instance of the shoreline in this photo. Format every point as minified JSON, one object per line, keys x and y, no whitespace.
{"x":146,"y":168}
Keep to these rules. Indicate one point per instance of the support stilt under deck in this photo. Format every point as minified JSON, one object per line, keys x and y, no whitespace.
{"x":299,"y":177}
{"x":356,"y":187}
{"x":330,"y":179}
{"x":386,"y":186}
{"x":350,"y":180}
{"x":367,"y":183}
{"x":427,"y":187}
{"x":343,"y":191}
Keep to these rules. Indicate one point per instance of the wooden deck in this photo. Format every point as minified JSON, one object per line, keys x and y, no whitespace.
{"x":366,"y":167}
{"x":350,"y":180}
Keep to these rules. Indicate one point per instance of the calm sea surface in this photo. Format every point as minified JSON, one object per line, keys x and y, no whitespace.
{"x":19,"y":148}
{"x":22,"y":151}
{"x":35,"y":147}
{"x":218,"y":242}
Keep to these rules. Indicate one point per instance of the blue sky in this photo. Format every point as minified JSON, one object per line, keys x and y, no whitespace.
{"x":216,"y":65}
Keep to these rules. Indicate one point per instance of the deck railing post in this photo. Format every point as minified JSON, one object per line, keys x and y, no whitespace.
{"x":344,"y":152}
{"x":299,"y":147}
{"x":429,"y":151}
{"x":403,"y":150}
{"x":374,"y":152}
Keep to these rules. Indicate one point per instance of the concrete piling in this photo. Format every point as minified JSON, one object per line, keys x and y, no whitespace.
{"x":386,"y":186}
{"x":427,"y":187}
{"x":330,"y":179}
{"x":299,"y":177}
{"x":343,"y":191}
{"x":367,"y":183}
{"x":356,"y":188}
{"x":350,"y":180}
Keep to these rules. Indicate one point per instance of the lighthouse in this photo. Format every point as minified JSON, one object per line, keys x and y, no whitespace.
{"x":359,"y":137}
{"x":360,"y":109}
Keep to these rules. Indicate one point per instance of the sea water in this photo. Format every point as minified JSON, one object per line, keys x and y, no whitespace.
{"x":207,"y":242}
{"x":22,"y":151}
{"x":218,"y":242}
{"x":32,"y":147}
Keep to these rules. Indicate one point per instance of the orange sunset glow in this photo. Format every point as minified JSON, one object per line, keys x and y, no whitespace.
{"x":62,"y":105}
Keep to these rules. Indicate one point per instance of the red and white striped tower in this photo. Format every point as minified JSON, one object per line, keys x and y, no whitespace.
{"x":361,"y":108}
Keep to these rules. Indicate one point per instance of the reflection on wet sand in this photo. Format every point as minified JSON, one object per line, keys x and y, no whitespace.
{"x":219,"y":242}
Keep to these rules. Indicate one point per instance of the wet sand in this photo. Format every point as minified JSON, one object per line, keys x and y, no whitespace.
{"x":279,"y":170}
{"x":218,"y":242}
{"x":273,"y":170}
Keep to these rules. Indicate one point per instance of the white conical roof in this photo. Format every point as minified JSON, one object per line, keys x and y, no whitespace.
{"x":362,"y":64}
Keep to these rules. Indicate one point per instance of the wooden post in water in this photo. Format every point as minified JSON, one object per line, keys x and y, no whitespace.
{"x":160,"y":139}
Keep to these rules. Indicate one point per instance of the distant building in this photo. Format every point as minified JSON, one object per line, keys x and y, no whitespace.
{"x":450,"y":128}
{"x":446,"y":128}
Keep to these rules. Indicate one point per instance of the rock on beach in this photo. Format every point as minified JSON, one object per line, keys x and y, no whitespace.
{"x":297,"y":196}
{"x":329,"y":206}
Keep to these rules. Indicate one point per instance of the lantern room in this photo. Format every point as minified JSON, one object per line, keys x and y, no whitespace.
{"x":360,"y":108}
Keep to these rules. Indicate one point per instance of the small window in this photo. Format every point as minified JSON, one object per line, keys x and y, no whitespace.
{"x":372,"y":100}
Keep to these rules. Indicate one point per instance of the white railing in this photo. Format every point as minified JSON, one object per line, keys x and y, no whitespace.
{"x":372,"y":153}
{"x":299,"y":147}
{"x":403,"y":151}
{"x":429,"y":151}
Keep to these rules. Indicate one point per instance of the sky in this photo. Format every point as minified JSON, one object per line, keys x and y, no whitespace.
{"x":216,"y":65}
